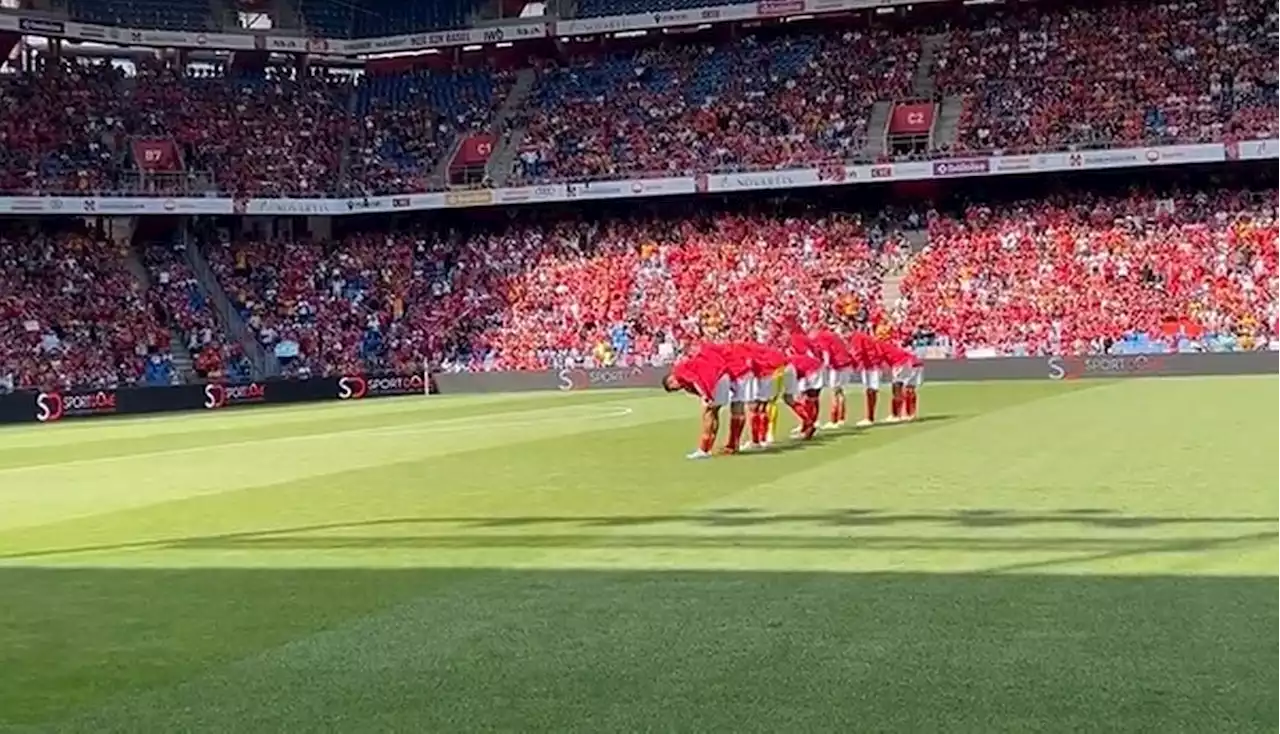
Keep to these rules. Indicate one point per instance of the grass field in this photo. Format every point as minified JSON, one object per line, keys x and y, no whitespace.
{"x":1037,"y":556}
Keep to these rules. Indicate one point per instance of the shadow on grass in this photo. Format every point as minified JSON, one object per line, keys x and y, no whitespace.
{"x":1103,"y":547}
{"x":277,"y":650}
{"x":737,"y":517}
{"x":848,"y":432}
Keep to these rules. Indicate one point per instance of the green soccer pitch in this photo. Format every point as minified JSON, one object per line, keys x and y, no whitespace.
{"x":1035,"y":556}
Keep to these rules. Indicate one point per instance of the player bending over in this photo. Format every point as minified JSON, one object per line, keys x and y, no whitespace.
{"x":907,"y":372}
{"x":705,"y":375}
{"x":869,"y":361}
{"x":770,"y":384}
{"x":837,"y":362}
{"x":804,"y":378}
{"x":810,"y":384}
{"x":737,"y":360}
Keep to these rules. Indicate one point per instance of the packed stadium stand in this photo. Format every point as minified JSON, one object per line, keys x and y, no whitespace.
{"x":409,"y":121}
{"x":545,"y":294}
{"x":1073,"y":273}
{"x":1090,"y":275}
{"x":734,"y":105}
{"x":961,"y":269}
{"x":274,"y":134}
{"x":72,"y":315}
{"x":60,"y":131}
{"x":1030,"y":78}
{"x":177,"y":296}
{"x":1040,"y":77}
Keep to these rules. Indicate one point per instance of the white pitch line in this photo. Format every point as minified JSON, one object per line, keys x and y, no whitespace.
{"x":450,"y":424}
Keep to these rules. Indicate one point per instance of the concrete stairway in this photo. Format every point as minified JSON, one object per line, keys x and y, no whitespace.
{"x":440,"y":174}
{"x":508,"y":128}
{"x":917,"y":238}
{"x":877,"y":129}
{"x":890,"y":290}
{"x":923,"y":85}
{"x":179,"y":355}
{"x":344,"y":160}
{"x":264,"y":363}
{"x":181,"y":358}
{"x":946,"y":127}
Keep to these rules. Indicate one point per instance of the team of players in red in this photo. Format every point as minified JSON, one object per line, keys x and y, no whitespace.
{"x":751,"y":379}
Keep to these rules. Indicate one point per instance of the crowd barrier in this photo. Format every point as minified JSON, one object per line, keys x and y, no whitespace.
{"x":50,"y":406}
{"x":45,"y":407}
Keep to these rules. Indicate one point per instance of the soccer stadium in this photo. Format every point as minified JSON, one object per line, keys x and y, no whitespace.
{"x":638,"y":366}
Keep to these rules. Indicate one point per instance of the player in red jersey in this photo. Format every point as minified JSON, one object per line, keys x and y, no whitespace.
{"x":907,"y":372}
{"x":869,"y":361}
{"x":837,"y":361}
{"x":706,"y":375}
{"x":804,"y":378}
{"x":770,"y":368}
{"x":737,"y":358}
{"x":809,"y":387}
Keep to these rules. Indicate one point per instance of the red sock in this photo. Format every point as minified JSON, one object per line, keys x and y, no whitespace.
{"x":871,"y":404}
{"x":835,"y":411}
{"x":736,"y":424}
{"x":759,"y":426}
{"x":896,"y":403}
{"x":800,"y":408}
{"x":706,"y":442}
{"x":814,"y":410}
{"x":844,"y":410}
{"x":911,"y":401}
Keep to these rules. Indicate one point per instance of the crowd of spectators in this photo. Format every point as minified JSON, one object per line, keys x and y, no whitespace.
{"x":1049,"y":77}
{"x":545,"y":294}
{"x":1075,"y":274}
{"x":747,"y":104}
{"x":279,"y":133}
{"x":177,"y":297}
{"x":60,"y":132}
{"x":1068,"y":273}
{"x":409,"y":122}
{"x":321,"y":308}
{"x":1032,"y":77}
{"x":67,"y":127}
{"x":71,"y":315}
{"x":1088,"y":274}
